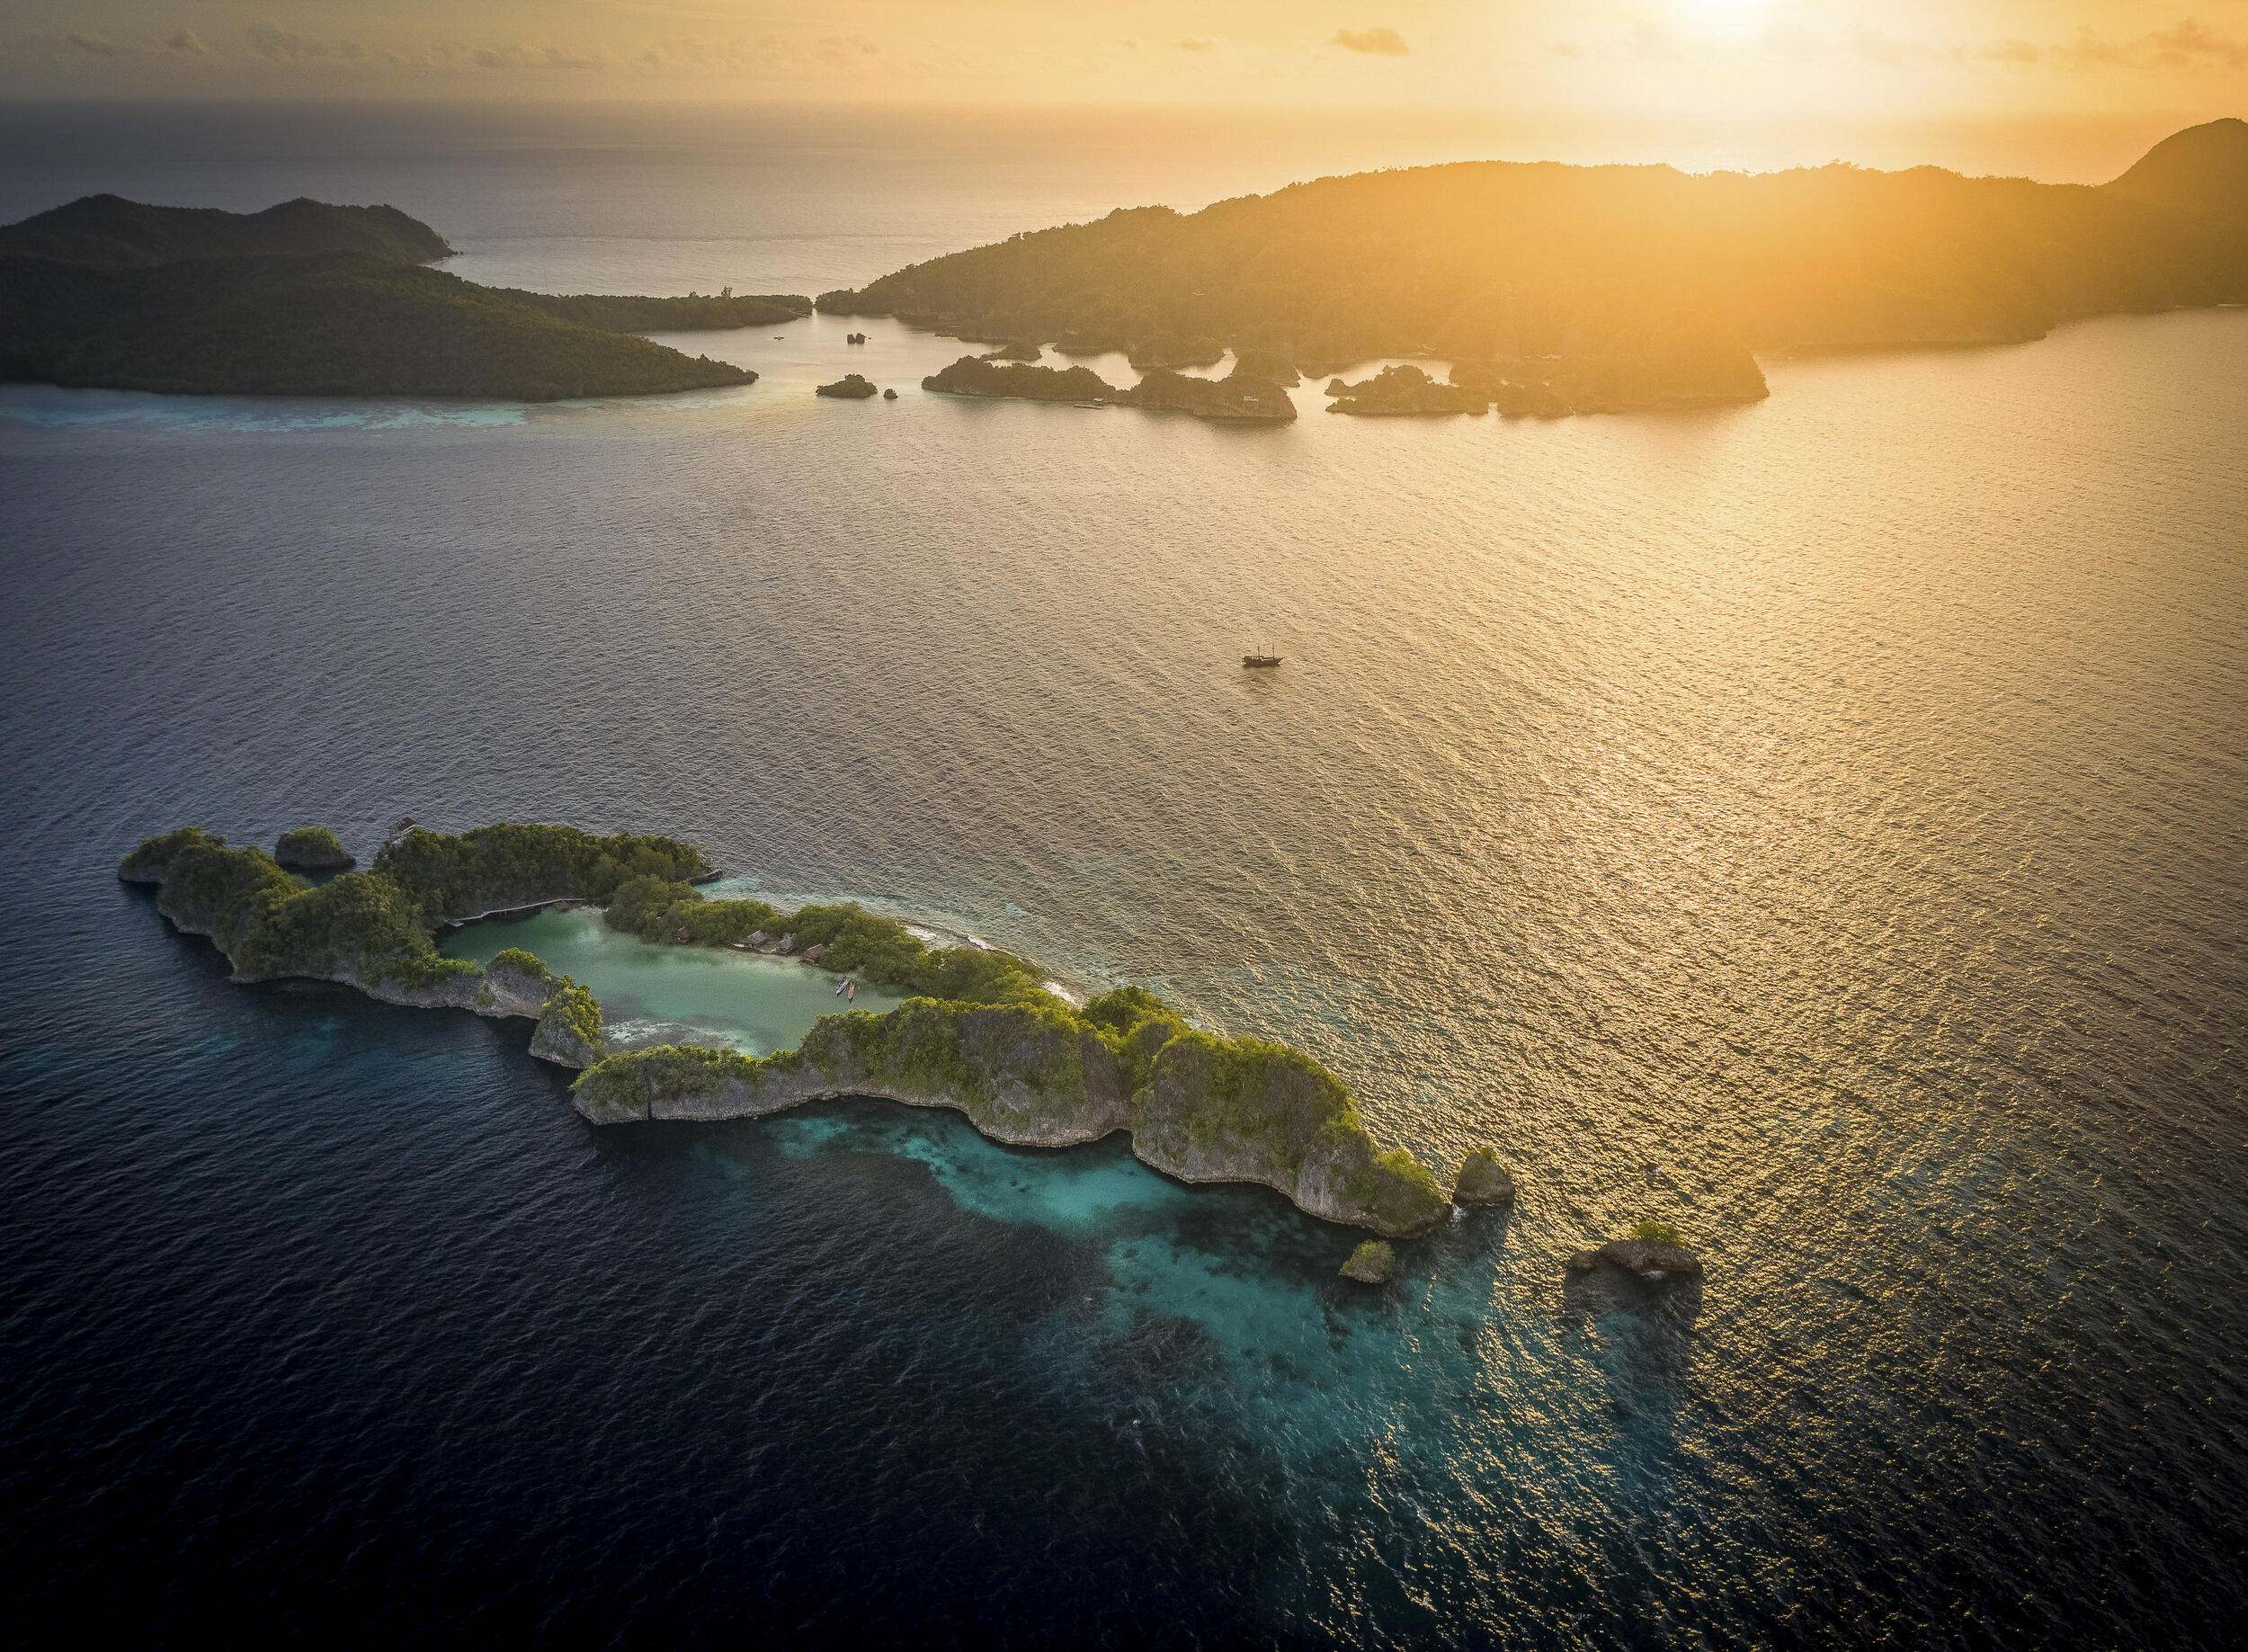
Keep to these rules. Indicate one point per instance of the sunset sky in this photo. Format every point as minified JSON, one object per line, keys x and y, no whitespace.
{"x":1753,"y":58}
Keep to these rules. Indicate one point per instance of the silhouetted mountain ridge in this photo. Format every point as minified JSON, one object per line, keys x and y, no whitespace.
{"x":1509,"y":264}
{"x":2203,"y":169}
{"x":325,"y":324}
{"x":110,"y":232}
{"x":306,"y":299}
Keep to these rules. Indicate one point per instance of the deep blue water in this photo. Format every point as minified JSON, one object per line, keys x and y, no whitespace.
{"x":1822,"y":824}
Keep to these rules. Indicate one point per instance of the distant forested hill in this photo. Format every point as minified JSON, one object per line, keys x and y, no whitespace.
{"x":331,"y":323}
{"x":113,"y":233}
{"x":309,"y":299}
{"x":1497,"y":262}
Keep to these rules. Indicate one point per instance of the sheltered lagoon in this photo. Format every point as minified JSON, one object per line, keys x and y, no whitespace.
{"x":750,"y":1001}
{"x":981,"y":1034}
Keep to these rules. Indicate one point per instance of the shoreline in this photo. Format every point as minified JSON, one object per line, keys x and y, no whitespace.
{"x":977,"y":1031}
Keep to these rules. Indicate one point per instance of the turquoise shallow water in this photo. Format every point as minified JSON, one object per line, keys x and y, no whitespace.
{"x":1822,"y":824}
{"x":753,"y":1002}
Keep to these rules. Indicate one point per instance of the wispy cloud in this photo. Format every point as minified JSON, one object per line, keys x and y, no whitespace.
{"x":2187,"y":44}
{"x":1371,"y":42}
{"x":268,"y":39}
{"x":99,"y":46}
{"x":2191,"y":40}
{"x":2011,"y":51}
{"x":188,"y":42}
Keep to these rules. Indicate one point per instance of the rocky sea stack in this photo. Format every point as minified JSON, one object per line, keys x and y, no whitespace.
{"x":1483,"y":1181}
{"x":1374,"y":1263}
{"x":569,"y":1030}
{"x":312,"y":849}
{"x":1653,"y":1256}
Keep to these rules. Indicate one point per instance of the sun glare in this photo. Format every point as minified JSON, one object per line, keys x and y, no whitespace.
{"x":1721,"y":13}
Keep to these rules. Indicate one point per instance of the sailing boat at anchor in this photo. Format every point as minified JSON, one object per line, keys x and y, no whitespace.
{"x":1260,"y":660}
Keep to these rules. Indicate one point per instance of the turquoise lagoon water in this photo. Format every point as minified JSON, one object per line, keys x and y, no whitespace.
{"x":752,"y":1002}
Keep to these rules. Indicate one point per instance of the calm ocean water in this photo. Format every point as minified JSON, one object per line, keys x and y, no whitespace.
{"x":1822,"y":824}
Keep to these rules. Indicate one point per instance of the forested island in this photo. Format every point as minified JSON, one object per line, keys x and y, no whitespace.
{"x":1239,"y":398}
{"x":1555,"y":289}
{"x":986,"y":376}
{"x":310,"y":300}
{"x":983,"y":1033}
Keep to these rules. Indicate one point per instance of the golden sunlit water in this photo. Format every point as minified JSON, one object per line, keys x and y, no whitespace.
{"x":1819,"y":824}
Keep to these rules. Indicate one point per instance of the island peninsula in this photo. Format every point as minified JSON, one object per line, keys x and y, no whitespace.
{"x":1553,"y":289}
{"x":982,"y":1033}
{"x":310,"y":300}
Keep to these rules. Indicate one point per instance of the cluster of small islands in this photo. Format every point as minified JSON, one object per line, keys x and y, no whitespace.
{"x":1548,"y":289}
{"x":982,"y":1033}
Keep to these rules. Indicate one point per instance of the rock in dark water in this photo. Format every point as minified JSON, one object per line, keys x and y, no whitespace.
{"x":851,"y":387}
{"x":1654,"y":1262}
{"x":569,"y":1032}
{"x":1483,"y":1181}
{"x":1374,"y":1263}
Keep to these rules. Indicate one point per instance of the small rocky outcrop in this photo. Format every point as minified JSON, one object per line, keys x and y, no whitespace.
{"x":890,"y":396}
{"x":1374,"y":1263}
{"x":851,"y":387}
{"x":1653,"y":1256}
{"x":1482,"y":1180}
{"x":312,"y":849}
{"x":1236,"y":398}
{"x":1404,"y":391}
{"x":515,"y":983}
{"x":569,"y":1032}
{"x":974,"y":376}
